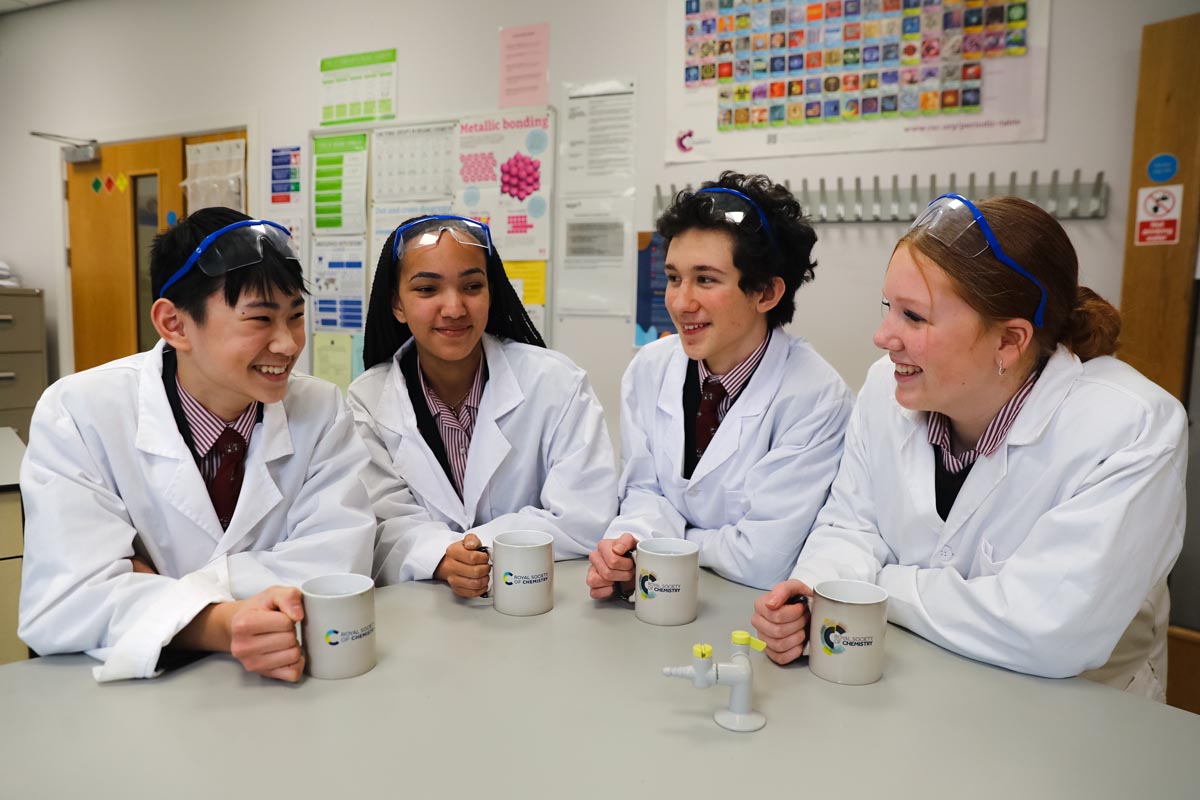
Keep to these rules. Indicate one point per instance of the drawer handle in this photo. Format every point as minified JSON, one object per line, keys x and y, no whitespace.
{"x":6,"y":317}
{"x":8,"y":376}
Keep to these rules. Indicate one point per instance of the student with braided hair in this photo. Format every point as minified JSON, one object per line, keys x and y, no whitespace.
{"x":473,"y":425}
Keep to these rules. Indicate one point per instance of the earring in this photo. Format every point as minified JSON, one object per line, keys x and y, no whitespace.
{"x":1000,"y":370}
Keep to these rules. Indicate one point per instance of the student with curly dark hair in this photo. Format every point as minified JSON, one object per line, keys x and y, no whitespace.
{"x":731,"y":431}
{"x":473,"y":426}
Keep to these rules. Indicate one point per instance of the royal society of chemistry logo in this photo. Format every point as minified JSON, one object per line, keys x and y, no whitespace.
{"x":649,"y":586}
{"x":334,"y":637}
{"x":511,"y":579}
{"x":835,"y":639}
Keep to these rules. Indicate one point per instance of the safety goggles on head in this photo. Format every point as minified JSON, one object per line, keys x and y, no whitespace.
{"x":235,"y":246}
{"x":737,"y":208}
{"x":955,"y":222}
{"x":419,"y":234}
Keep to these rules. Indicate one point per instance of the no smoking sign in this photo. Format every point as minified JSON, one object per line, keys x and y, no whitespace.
{"x":1158,"y":214}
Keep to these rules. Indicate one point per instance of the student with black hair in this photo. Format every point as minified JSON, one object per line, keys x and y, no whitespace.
{"x":473,"y":426}
{"x":731,"y":431}
{"x":175,"y":498}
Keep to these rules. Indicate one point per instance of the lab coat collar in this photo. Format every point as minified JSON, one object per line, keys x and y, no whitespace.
{"x":917,"y":454}
{"x":489,"y":446}
{"x":1047,"y":395}
{"x":158,"y":435}
{"x":750,"y":405}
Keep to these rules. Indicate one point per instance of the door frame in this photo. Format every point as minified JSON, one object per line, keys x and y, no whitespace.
{"x":62,"y":336}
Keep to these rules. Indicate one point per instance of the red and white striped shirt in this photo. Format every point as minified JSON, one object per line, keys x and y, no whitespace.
{"x":207,"y":427}
{"x":737,"y":378}
{"x":993,"y":437}
{"x":455,"y":427}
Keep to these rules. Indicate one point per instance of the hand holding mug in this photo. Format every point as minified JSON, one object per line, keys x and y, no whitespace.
{"x":465,"y":567}
{"x":782,"y":621}
{"x":611,"y":563}
{"x":263,"y":633}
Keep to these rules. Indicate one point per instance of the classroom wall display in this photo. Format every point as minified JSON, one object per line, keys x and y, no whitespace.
{"x":340,"y":184}
{"x":653,"y":319}
{"x":497,"y":168}
{"x":358,"y":88}
{"x":416,"y":161}
{"x":337,"y":279}
{"x":505,"y":172}
{"x":755,"y":78}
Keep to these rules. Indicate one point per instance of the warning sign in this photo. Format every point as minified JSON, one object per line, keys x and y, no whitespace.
{"x":1158,"y":215}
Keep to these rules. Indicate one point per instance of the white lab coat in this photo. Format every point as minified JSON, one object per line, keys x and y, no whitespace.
{"x":1056,"y":542}
{"x":539,"y":459}
{"x":107,"y":474}
{"x":754,"y":494}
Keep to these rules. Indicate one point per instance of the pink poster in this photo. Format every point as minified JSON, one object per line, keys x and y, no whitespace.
{"x":524,"y":65}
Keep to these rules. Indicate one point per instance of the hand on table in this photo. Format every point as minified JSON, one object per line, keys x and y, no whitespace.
{"x":464,"y":567}
{"x":611,"y":563}
{"x":262,"y":633}
{"x":783,"y":626}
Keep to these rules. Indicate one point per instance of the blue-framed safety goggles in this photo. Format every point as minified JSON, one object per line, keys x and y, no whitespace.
{"x":422,"y":233}
{"x":235,"y":246}
{"x":737,"y":209}
{"x":955,"y":222}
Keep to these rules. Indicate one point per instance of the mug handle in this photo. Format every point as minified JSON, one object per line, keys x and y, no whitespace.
{"x":485,"y":549}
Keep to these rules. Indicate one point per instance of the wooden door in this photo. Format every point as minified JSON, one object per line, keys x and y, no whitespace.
{"x":103,"y":241}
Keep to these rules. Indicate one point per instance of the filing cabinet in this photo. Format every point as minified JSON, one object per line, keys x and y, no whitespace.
{"x":11,"y":545}
{"x":22,"y":356}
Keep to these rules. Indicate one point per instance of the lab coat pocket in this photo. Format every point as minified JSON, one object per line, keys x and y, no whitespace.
{"x":988,"y":563}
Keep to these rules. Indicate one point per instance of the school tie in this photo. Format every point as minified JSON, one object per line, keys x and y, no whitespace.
{"x":711,"y":395}
{"x":227,"y":483}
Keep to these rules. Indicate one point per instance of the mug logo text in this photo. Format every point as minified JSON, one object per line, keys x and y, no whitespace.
{"x":648,"y":586}
{"x":835,"y":639}
{"x":511,"y":579}
{"x":334,"y":637}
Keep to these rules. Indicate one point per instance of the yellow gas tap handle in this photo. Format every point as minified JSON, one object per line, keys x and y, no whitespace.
{"x":744,"y":638}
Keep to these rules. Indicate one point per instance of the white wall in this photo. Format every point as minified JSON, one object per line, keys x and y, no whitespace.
{"x":119,"y":69}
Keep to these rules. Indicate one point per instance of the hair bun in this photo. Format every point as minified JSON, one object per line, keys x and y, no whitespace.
{"x":1094,"y":326}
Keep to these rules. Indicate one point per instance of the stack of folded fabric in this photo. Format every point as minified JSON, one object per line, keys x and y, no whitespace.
{"x":8,"y":280}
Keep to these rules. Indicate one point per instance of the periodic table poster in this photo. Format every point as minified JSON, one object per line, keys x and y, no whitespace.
{"x":754,"y":78}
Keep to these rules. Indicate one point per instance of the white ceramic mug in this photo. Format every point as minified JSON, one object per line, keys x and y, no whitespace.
{"x":339,"y":625}
{"x":523,"y":573}
{"x":667,"y":576}
{"x":849,"y":623}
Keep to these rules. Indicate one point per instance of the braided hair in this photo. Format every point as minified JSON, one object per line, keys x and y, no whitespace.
{"x":384,"y":334}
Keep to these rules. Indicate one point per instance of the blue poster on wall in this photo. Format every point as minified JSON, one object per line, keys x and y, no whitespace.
{"x":653,"y":321}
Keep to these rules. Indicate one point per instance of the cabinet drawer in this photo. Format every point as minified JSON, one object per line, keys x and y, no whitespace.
{"x":22,"y":323}
{"x":11,"y":543}
{"x":22,"y":379}
{"x":11,"y":648}
{"x":18,"y":419}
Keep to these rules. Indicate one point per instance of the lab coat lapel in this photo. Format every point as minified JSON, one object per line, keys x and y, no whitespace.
{"x":916,"y":466}
{"x":271,"y":440}
{"x":749,"y":407}
{"x":419,"y":466}
{"x":1047,"y":394}
{"x":489,"y":445}
{"x":172,"y":474}
{"x":670,"y":409}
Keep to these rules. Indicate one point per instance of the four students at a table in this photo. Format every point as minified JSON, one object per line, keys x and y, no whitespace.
{"x":1017,"y":491}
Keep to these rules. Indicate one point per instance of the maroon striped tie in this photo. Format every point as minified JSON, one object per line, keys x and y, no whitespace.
{"x":711,"y":396}
{"x":226,"y":485}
